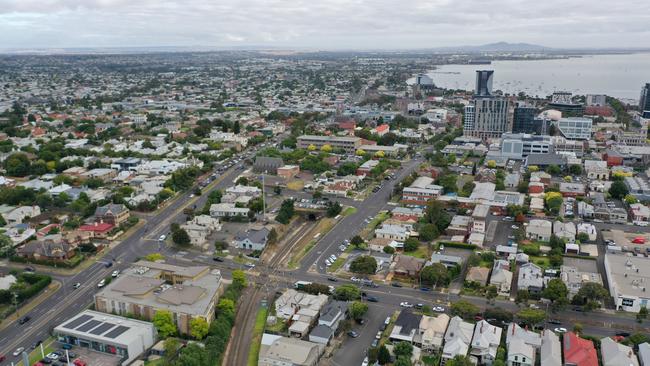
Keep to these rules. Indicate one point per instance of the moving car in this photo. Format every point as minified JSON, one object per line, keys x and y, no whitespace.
{"x":115,"y":273}
{"x":438,"y":309}
{"x":101,"y":283}
{"x":24,"y":320}
{"x":353,"y":334}
{"x":365,"y":362}
{"x":554,"y":321}
{"x":18,"y":351}
{"x":76,"y":285}
{"x":405,"y":304}
{"x":372,"y":299}
{"x":217,"y":259}
{"x":162,"y":237}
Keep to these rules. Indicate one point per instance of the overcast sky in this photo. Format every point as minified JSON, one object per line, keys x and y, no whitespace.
{"x":323,"y":24}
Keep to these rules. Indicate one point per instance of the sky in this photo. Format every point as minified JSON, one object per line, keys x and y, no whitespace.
{"x":323,"y":24}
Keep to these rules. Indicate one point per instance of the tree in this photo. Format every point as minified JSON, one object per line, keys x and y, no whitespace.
{"x":226,"y":306}
{"x":435,"y":274}
{"x":327,"y":148}
{"x":499,"y":314}
{"x":236,"y":128}
{"x":198,"y":328}
{"x":403,"y":349}
{"x":411,"y":244}
{"x":333,"y":209}
{"x":347,"y":168}
{"x":618,"y":189}
{"x":577,"y":328}
{"x":181,"y":237}
{"x":347,"y":292}
{"x":356,"y":240}
{"x":171,"y":346}
{"x":630,"y":199}
{"x":591,"y":294}
{"x":459,"y":360}
{"x":358,"y":310}
{"x":555,"y":290}
{"x":553,"y":170}
{"x":575,"y":169}
{"x":403,"y":361}
{"x":364,"y":264}
{"x":642,"y":314}
{"x":383,"y":355}
{"x":286,"y":212}
{"x":531,"y":316}
{"x":582,"y":237}
{"x":311,"y":147}
{"x":164,"y":323}
{"x":239,"y":279}
{"x":389,"y":250}
{"x":491,"y":292}
{"x":464,"y":309}
{"x":428,"y":232}
{"x":17,"y":165}
{"x":522,"y":296}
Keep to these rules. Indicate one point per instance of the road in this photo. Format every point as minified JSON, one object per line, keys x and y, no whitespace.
{"x":67,"y":302}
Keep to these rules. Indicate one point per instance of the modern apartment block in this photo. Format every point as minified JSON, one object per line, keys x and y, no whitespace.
{"x":520,"y":145}
{"x":575,"y":128}
{"x":523,"y":120}
{"x":644,"y":101}
{"x":487,"y":116}
{"x":148,"y":287}
{"x":349,"y":144}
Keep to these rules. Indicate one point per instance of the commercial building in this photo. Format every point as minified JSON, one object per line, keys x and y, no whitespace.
{"x":520,"y":145}
{"x":644,"y":101}
{"x":484,"y":83}
{"x":598,"y":100}
{"x":148,"y":287}
{"x":523,"y":119}
{"x":562,"y":101}
{"x":349,"y":144}
{"x":116,"y":335}
{"x":421,"y":191}
{"x":627,"y":277}
{"x":276,"y":350}
{"x":575,"y":128}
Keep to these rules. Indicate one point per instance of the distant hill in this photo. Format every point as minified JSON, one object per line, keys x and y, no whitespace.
{"x":496,"y":47}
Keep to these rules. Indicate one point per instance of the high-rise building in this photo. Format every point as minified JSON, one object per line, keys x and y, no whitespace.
{"x":486,"y":116}
{"x":575,"y":128}
{"x":523,"y":120}
{"x":484,"y":83}
{"x":562,"y":101}
{"x":644,"y":101}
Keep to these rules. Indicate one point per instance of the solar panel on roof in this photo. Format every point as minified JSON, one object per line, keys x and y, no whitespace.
{"x":102,"y":328}
{"x":116,"y":332}
{"x":75,"y":323}
{"x":88,"y":326}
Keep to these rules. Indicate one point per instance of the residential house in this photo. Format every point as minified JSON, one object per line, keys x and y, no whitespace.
{"x":459,"y":225}
{"x":406,"y":326}
{"x":48,"y":248}
{"x":478,"y":275}
{"x":512,"y":180}
{"x":100,"y":230}
{"x":407,"y":266}
{"x":573,"y":278}
{"x":431,"y":332}
{"x":617,"y":354}
{"x":227,"y":210}
{"x":252,"y":239}
{"x":392,"y":232}
{"x":485,"y":342}
{"x":457,"y":339}
{"x":407,"y":214}
{"x":240,"y":190}
{"x":520,"y":354}
{"x":19,"y":214}
{"x":365,"y":168}
{"x":321,"y":334}
{"x":6,"y":281}
{"x":501,"y":277}
{"x":531,"y":278}
{"x":578,"y":351}
{"x":539,"y":230}
{"x":114,"y":214}
{"x":199,"y":228}
{"x":479,"y":215}
{"x":550,"y":353}
{"x":589,"y":229}
{"x":449,"y":261}
{"x":515,"y":332}
{"x":564,"y":230}
{"x":572,"y":189}
{"x":332,"y":314}
{"x":639,"y":212}
{"x":644,"y":354}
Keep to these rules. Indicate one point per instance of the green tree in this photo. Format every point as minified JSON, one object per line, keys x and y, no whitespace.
{"x":618,"y":189}
{"x":17,"y":165}
{"x":403,"y":361}
{"x":286,"y":212}
{"x":358,"y":310}
{"x":464,"y":309}
{"x":171,"y":347}
{"x":555,"y":290}
{"x":364,"y":264}
{"x":498,"y":314}
{"x":577,"y":327}
{"x":347,"y":168}
{"x":198,"y":328}
{"x":403,"y":349}
{"x":239,"y":279}
{"x":333,"y":209}
{"x":356,"y":240}
{"x":491,"y":292}
{"x":383,"y":356}
{"x":428,"y":232}
{"x":435,"y":274}
{"x":522,"y":296}
{"x":642,"y":314}
{"x":181,"y":237}
{"x":591,"y":294}
{"x":411,"y":244}
{"x":226,"y":306}
{"x":575,"y":169}
{"x":347,"y":292}
{"x":531,"y":316}
{"x":164,"y":323}
{"x":459,"y":360}
{"x":553,"y":170}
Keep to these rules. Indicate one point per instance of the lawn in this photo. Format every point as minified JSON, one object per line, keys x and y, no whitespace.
{"x":541,"y":261}
{"x":338,"y":263}
{"x":295,"y":185}
{"x":348,"y":211}
{"x":422,"y":252}
{"x":381,"y":217}
{"x":256,"y":339}
{"x":156,"y":362}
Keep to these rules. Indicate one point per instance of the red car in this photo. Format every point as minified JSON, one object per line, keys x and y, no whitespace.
{"x":639,"y":240}
{"x":79,"y":362}
{"x":2,"y":358}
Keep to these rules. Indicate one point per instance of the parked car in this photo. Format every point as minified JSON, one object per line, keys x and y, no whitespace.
{"x":372,"y":299}
{"x":53,"y":356}
{"x":217,"y":259}
{"x":396,"y":284}
{"x":554,"y":321}
{"x":332,"y":279}
{"x":115,"y":273}
{"x":405,"y":304}
{"x":353,"y":334}
{"x":438,"y":309}
{"x":378,"y":335}
{"x":622,"y":334}
{"x":29,"y":269}
{"x":101,"y":283}
{"x":79,"y":362}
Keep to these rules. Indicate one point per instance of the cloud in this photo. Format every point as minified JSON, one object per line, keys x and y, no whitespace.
{"x":322,"y":24}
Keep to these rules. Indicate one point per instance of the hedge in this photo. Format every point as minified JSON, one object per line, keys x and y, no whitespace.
{"x":453,"y":244}
{"x":70,"y":263}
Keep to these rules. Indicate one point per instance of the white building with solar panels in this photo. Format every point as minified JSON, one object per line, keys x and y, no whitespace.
{"x":127,"y":338}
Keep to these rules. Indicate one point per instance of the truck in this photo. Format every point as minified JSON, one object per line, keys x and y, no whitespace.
{"x":299,"y":285}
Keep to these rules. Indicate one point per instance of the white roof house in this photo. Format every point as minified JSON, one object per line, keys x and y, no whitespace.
{"x":529,"y":337}
{"x":520,"y":353}
{"x":564,"y":230}
{"x":617,"y":354}
{"x":457,"y":338}
{"x":627,"y":278}
{"x":531,"y":278}
{"x":644,"y":354}
{"x":539,"y":230}
{"x":485,"y":342}
{"x":432,"y":331}
{"x":550,"y":353}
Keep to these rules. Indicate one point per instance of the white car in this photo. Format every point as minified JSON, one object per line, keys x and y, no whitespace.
{"x":18,"y":351}
{"x":101,"y":283}
{"x":162,"y":237}
{"x":514,"y":227}
{"x":438,"y":309}
{"x":354,"y":279}
{"x":405,"y":304}
{"x":332,"y":257}
{"x":560,"y":330}
{"x":328,"y":262}
{"x":52,"y":356}
{"x":365,"y":362}
{"x":115,"y":273}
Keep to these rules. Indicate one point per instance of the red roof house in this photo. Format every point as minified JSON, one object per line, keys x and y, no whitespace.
{"x":100,"y":229}
{"x":578,"y":351}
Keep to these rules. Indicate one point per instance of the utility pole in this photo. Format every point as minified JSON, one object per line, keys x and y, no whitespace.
{"x":263,"y":197}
